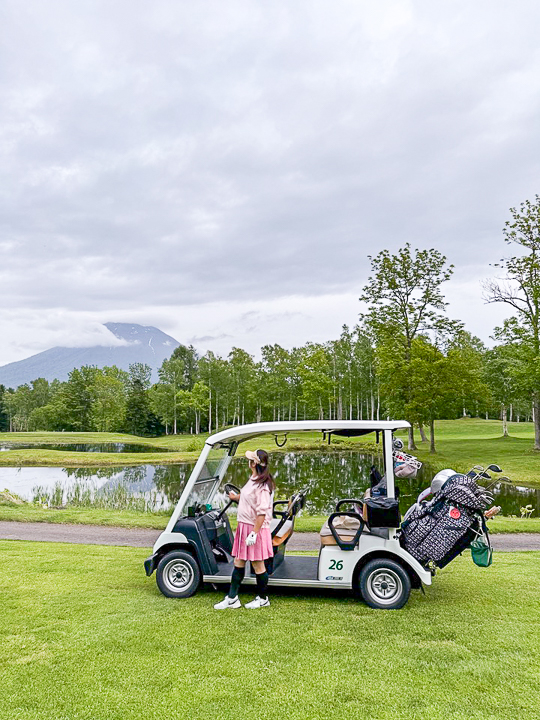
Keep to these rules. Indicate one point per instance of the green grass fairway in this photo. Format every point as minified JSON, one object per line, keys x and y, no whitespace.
{"x":465,"y":442}
{"x":86,"y":636}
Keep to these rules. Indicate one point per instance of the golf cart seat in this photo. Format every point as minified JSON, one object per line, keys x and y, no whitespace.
{"x":281,"y":534}
{"x":282,"y":525}
{"x":343,"y":528}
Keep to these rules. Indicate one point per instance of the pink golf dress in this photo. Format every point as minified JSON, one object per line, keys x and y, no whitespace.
{"x":255,"y":499}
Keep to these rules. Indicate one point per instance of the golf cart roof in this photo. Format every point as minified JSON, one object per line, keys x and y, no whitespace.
{"x":347,"y":428}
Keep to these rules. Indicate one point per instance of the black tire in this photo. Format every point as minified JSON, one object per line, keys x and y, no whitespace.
{"x":384,"y":584}
{"x":178,"y":574}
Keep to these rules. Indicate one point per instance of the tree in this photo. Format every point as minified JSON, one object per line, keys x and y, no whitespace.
{"x":160,"y":403}
{"x":405,"y":301}
{"x":520,"y":289}
{"x":190,"y":364}
{"x":199,"y":403}
{"x":466,"y":355}
{"x":138,"y":413}
{"x":108,"y":409}
{"x":316,"y":380}
{"x":78,"y":397}
{"x":4,"y":419}
{"x":499,"y":376}
{"x":172,"y":378}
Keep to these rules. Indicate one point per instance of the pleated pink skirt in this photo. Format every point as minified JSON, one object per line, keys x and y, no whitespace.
{"x":260,"y":551}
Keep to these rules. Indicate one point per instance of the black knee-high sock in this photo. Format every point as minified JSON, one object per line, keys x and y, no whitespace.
{"x":262,"y":584}
{"x":236,"y":580}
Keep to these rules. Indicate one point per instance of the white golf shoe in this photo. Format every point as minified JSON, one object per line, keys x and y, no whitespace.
{"x":258,"y":603}
{"x":228,"y":603}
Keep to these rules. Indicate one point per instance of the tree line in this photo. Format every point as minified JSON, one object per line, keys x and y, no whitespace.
{"x":404,"y":359}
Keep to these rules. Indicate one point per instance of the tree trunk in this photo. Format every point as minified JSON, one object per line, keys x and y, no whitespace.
{"x":422,"y":432}
{"x":536,"y":415}
{"x":511,"y":412}
{"x":504,"y":421}
{"x":411,"y":445}
{"x":432,"y":436}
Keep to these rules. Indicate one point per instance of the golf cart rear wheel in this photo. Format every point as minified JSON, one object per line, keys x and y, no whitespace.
{"x":384,"y":584}
{"x":178,"y":574}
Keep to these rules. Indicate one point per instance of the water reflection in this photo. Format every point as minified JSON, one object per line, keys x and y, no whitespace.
{"x":330,"y":477}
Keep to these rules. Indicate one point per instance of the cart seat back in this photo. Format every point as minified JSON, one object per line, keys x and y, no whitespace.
{"x":346,"y":527}
{"x":283,"y":533}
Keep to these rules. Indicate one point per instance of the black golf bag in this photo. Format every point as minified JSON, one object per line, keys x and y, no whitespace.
{"x":439,"y":530}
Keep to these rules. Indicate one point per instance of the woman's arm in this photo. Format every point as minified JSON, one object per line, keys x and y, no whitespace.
{"x":258,"y":523}
{"x":252,"y":537}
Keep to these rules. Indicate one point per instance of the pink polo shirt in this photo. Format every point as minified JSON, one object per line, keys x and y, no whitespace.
{"x":255,"y":499}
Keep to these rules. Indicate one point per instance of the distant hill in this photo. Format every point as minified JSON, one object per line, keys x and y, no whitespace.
{"x":146,"y":345}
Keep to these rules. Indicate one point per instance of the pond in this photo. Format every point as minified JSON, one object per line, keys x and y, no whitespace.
{"x":331,"y":477}
{"x":87,"y":447}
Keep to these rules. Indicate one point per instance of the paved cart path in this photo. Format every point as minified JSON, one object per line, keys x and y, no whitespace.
{"x":142,"y":537}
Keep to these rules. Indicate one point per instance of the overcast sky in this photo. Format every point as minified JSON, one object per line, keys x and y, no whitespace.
{"x":221,"y":170}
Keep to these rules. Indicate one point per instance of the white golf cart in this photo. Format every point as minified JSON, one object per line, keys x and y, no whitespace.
{"x":355,"y":554}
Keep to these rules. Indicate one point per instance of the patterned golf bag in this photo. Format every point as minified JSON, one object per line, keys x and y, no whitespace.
{"x":439,"y":530}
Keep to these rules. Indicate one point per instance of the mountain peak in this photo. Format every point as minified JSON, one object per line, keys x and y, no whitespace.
{"x":142,"y":344}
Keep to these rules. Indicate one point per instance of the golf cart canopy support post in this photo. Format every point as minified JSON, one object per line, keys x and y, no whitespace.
{"x":232,"y":437}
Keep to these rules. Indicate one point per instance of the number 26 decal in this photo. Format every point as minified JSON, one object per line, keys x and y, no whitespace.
{"x":336,"y":565}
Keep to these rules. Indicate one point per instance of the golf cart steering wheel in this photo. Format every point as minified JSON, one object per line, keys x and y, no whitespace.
{"x":228,"y":487}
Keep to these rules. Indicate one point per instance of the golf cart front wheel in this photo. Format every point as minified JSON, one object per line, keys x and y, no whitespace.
{"x":178,"y":574}
{"x":384,"y":584}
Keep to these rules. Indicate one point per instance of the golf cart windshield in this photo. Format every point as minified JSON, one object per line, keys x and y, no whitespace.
{"x":209,"y":477}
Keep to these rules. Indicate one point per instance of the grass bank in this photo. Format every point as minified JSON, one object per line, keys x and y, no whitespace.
{"x":98,"y":641}
{"x":158,"y":521}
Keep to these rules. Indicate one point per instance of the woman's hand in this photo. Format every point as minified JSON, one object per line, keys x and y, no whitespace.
{"x":234,"y":496}
{"x":251,"y":539}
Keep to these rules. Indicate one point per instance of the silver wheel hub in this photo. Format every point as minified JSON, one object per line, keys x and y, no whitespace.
{"x":384,"y":586}
{"x":178,"y":575}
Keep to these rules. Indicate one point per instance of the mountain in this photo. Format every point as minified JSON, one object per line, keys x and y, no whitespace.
{"x":145,"y":345}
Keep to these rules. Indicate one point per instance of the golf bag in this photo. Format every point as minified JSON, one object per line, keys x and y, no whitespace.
{"x":439,"y":530}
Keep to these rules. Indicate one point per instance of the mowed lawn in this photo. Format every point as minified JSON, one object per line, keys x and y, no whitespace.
{"x":85,"y":635}
{"x":469,"y":441}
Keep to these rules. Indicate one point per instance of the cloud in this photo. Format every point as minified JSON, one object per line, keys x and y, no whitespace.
{"x":207,"y":338}
{"x":179,"y":156}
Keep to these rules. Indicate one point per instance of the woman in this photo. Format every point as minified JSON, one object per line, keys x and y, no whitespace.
{"x":252,"y":540}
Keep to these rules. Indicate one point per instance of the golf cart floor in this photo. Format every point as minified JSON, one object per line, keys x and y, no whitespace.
{"x":293,"y":570}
